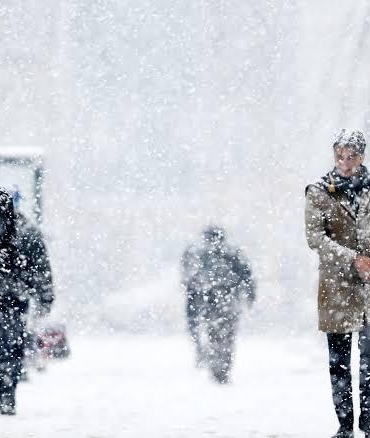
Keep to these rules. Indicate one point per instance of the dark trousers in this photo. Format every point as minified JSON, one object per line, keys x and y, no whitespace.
{"x":221,"y":332}
{"x":212,"y":326}
{"x":194,"y":305}
{"x":341,"y":378}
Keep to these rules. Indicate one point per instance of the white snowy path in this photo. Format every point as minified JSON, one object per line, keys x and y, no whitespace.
{"x":147,"y":387}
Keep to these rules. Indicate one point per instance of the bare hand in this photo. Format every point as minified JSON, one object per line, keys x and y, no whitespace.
{"x":362,"y":264}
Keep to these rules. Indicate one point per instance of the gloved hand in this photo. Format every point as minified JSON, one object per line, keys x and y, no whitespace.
{"x":43,"y":309}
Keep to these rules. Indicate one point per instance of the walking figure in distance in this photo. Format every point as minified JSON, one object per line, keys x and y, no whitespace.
{"x":216,"y":278}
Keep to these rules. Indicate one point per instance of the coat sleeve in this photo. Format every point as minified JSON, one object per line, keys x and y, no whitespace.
{"x":39,"y":271}
{"x":316,"y":232}
{"x":190,"y":270}
{"x":247,"y":283}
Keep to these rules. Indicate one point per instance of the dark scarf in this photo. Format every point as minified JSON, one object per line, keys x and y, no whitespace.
{"x":351,"y":186}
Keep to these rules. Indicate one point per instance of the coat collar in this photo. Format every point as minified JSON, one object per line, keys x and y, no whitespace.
{"x":363,"y":203}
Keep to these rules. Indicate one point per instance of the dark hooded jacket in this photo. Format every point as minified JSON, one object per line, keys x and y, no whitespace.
{"x":219,"y":275}
{"x":13,"y":289}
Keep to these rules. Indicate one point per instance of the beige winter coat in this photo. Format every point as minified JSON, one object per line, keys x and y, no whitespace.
{"x":334,"y":231}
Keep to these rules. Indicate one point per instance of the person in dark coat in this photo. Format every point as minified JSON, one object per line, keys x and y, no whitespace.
{"x":20,"y":279}
{"x":13,"y":305}
{"x":216,"y":278}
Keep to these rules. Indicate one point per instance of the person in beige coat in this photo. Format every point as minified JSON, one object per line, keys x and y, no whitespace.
{"x":338,"y":229}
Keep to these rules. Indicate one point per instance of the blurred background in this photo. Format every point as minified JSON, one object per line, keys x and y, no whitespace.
{"x":160,"y":117}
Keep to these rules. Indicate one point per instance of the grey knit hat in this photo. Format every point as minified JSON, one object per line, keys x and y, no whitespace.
{"x":351,"y":139}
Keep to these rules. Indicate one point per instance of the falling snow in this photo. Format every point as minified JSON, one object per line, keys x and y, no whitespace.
{"x":156,"y":118}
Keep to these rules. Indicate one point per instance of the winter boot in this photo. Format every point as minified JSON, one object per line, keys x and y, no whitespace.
{"x":201,"y":357}
{"x":221,"y":376}
{"x":7,"y":401}
{"x":344,"y":433}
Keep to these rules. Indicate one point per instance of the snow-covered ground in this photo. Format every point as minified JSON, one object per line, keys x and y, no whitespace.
{"x":140,"y":387}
